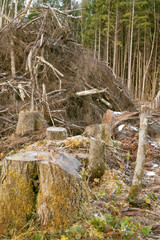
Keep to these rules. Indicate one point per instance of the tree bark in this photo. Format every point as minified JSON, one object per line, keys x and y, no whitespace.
{"x":139,"y":169}
{"x":29,"y":122}
{"x":115,"y":40}
{"x":130,"y":49}
{"x":97,"y":161}
{"x":63,"y":195}
{"x":16,"y":194}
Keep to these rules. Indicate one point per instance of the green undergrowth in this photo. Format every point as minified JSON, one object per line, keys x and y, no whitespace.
{"x":99,"y":227}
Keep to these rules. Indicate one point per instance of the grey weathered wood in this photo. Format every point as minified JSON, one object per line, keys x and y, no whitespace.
{"x":56,"y":133}
{"x":139,"y":169}
{"x":29,"y":122}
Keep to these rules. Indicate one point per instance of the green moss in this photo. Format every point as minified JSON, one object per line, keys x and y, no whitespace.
{"x":65,"y":199}
{"x":16,"y":199}
{"x":134,"y":191}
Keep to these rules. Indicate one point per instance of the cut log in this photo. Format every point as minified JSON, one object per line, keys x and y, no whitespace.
{"x":29,"y":122}
{"x":63,"y":195}
{"x":97,"y":160}
{"x":56,"y":133}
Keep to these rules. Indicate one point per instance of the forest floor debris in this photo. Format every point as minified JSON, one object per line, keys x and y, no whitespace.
{"x":107,"y":195}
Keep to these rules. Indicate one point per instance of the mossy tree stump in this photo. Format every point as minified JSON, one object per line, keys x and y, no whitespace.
{"x":56,"y":133}
{"x":97,"y":160}
{"x":29,"y":122}
{"x":63,"y":195}
{"x":17,"y":196}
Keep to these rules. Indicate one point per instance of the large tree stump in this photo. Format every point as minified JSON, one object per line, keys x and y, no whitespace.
{"x":56,"y":133}
{"x":97,"y":160}
{"x":29,"y":122}
{"x":63,"y":193}
{"x":17,"y":197}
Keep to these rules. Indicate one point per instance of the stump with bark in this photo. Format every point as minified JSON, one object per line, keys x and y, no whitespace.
{"x":29,"y":122}
{"x":56,"y":133}
{"x":16,"y":192}
{"x":97,"y":160}
{"x":62,"y":195}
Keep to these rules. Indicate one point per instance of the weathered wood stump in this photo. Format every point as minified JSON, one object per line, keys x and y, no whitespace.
{"x":97,"y":160}
{"x":56,"y":133}
{"x":63,"y":195}
{"x":17,"y":197}
{"x":29,"y":122}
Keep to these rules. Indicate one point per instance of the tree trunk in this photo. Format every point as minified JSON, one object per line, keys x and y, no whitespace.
{"x":95,"y":43}
{"x":130,"y":49}
{"x":115,"y":40}
{"x":108,"y":30}
{"x":138,"y":173}
{"x":99,"y":42}
{"x":149,"y":60}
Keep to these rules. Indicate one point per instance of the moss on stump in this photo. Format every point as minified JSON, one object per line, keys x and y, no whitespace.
{"x":16,"y":194}
{"x":63,"y":195}
{"x":97,"y":159}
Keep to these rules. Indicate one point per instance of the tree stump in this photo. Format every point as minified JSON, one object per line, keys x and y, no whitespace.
{"x":29,"y":122}
{"x":61,"y":198}
{"x":97,"y":160}
{"x":17,"y":196}
{"x":56,"y":133}
{"x":63,"y":195}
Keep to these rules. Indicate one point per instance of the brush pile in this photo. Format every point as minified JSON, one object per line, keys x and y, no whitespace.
{"x":43,"y":68}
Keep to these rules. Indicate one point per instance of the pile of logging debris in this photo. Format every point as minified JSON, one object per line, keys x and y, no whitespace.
{"x":43,"y":68}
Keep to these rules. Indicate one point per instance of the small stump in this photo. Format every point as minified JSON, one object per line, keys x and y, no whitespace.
{"x":97,"y":159}
{"x":56,"y":133}
{"x":63,"y":195}
{"x":29,"y":122}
